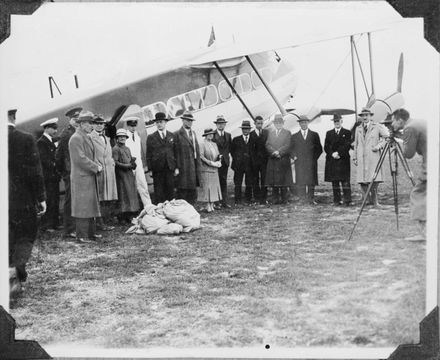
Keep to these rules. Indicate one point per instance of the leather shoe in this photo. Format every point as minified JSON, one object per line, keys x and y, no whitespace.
{"x":96,"y":237}
{"x":226,"y":206}
{"x":83,"y":241}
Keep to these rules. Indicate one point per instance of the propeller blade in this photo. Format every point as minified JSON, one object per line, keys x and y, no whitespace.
{"x":400,"y":74}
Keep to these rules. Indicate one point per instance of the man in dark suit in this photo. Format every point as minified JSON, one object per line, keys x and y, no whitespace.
{"x":337,"y":162}
{"x":47,"y":148}
{"x":187,"y":159}
{"x":62,"y":158}
{"x":306,"y":149}
{"x":223,"y":140}
{"x":241,"y":162}
{"x":27,"y":200}
{"x":259,"y":156}
{"x":161,"y":159}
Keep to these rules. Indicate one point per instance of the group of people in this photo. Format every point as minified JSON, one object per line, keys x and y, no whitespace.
{"x":99,"y":173}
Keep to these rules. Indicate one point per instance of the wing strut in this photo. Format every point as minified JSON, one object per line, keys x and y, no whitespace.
{"x":371,"y":65}
{"x":354,"y":76}
{"x":233,"y":89}
{"x":282,"y":110}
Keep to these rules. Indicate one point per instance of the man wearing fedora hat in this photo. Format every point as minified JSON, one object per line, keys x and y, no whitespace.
{"x":62,"y":157}
{"x":84,"y":168}
{"x":306,"y":149}
{"x":107,"y":189}
{"x":187,"y":159}
{"x":279,"y":171}
{"x":337,"y":162}
{"x":368,"y":142}
{"x":47,"y":147}
{"x":27,"y":200}
{"x":241,"y":162}
{"x":223,"y":139}
{"x":161,"y":159}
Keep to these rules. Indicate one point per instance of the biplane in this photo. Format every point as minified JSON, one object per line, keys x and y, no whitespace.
{"x":239,"y":78}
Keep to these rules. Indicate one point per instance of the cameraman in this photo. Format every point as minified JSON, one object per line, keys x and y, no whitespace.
{"x":414,"y":140}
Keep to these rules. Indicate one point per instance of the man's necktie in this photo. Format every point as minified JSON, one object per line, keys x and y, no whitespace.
{"x":132,"y":135}
{"x":337,"y":132}
{"x":304,"y":134}
{"x":246,"y":139}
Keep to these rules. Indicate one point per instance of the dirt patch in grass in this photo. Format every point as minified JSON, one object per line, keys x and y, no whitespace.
{"x":279,"y":275}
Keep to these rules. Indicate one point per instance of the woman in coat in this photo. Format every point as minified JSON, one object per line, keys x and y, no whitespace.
{"x":209,"y":191}
{"x":368,"y":143}
{"x":107,"y":189}
{"x":125,"y":179}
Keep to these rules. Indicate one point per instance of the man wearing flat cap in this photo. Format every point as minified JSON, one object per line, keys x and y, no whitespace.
{"x":27,"y":200}
{"x":279,"y":171}
{"x":241,"y":163}
{"x":62,"y":158}
{"x":46,"y":147}
{"x":84,"y":168}
{"x":134,"y":144}
{"x":368,"y":142}
{"x":337,"y":161}
{"x":223,"y":140}
{"x":161,"y":159}
{"x":306,"y":149}
{"x":188,"y":160}
{"x":107,"y":189}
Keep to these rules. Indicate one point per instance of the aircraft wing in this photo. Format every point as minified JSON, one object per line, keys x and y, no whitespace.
{"x":292,"y":35}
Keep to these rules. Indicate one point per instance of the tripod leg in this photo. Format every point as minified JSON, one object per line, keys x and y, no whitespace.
{"x":405,"y":164}
{"x":370,"y":185}
{"x":393,"y":168}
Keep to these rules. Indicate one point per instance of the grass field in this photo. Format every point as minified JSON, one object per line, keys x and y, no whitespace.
{"x":282,"y":275}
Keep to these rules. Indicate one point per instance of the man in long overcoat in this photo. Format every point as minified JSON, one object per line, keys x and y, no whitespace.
{"x":62,"y":158}
{"x":46,"y":148}
{"x":368,"y":142}
{"x":26,"y":193}
{"x":414,"y":142}
{"x":107,"y":189}
{"x":241,"y":162}
{"x":258,"y":138}
{"x":223,"y":140}
{"x":188,"y":160}
{"x":279,"y":172}
{"x":83,"y":179}
{"x":306,"y":149}
{"x":337,"y":162}
{"x":161,"y":159}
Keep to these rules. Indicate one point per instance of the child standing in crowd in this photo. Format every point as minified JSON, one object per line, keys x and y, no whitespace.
{"x":125,"y":179}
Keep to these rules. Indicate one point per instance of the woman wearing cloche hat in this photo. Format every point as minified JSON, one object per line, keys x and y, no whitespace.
{"x":209,"y":191}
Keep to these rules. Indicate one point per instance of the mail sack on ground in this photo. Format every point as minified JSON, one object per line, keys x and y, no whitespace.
{"x":168,"y":218}
{"x":183,"y":213}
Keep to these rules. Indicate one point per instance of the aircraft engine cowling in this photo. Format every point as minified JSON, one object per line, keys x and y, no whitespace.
{"x":382,"y":108}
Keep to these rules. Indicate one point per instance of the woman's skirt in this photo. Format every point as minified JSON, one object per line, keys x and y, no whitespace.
{"x":209,"y":190}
